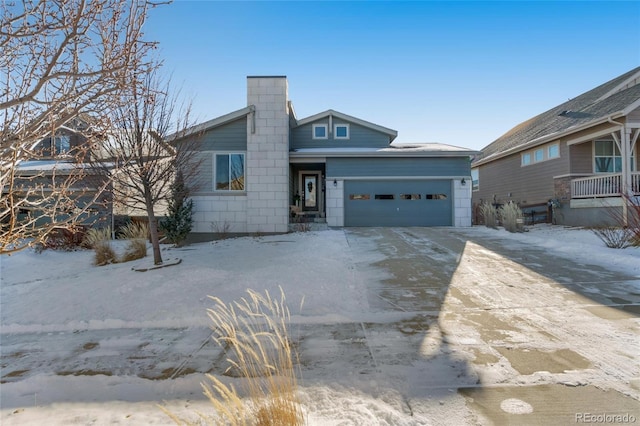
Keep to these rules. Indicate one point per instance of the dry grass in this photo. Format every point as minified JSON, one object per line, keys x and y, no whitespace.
{"x":137,"y":233}
{"x":134,"y":230}
{"x":511,"y":217}
{"x":136,"y":249}
{"x":104,"y":254}
{"x":100,"y":241}
{"x":254,"y":333}
{"x":489,"y":215}
{"x":94,"y":236}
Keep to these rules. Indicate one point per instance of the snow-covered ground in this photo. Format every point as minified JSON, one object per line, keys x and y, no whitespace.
{"x":54,"y":299}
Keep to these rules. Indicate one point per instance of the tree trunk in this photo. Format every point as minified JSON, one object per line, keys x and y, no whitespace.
{"x":153,"y":230}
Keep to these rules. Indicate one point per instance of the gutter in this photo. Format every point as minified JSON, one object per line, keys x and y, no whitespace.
{"x":610,"y":120}
{"x":293,"y":154}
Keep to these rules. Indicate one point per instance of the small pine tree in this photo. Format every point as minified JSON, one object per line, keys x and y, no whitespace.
{"x":178,"y":223}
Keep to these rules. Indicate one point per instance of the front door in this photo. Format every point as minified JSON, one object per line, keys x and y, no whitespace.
{"x":310,"y":191}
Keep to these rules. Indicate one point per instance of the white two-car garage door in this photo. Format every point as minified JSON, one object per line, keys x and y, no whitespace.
{"x":398,"y":203}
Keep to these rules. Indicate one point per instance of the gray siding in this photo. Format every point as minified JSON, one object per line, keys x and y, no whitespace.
{"x":370,"y":167}
{"x":359,"y":137}
{"x":634,"y":116}
{"x":229,"y":137}
{"x":203,"y":181}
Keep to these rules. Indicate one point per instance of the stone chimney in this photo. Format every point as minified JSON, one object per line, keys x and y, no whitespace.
{"x":267,"y":163}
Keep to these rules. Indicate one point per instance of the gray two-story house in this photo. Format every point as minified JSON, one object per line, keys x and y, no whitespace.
{"x":262,"y":167}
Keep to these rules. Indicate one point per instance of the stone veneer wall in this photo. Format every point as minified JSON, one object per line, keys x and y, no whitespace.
{"x":462,"y":203}
{"x":219,"y":214}
{"x":335,"y":203}
{"x":267,"y":162}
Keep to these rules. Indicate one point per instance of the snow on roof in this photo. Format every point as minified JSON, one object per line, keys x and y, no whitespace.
{"x":46,"y":165}
{"x":424,"y":149}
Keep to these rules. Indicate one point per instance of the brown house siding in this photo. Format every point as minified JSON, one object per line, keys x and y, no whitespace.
{"x":506,"y":180}
{"x":581,"y":157}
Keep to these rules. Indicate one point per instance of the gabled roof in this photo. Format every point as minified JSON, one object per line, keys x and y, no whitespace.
{"x":612,"y":99}
{"x":392,"y":133}
{"x":215,"y":122}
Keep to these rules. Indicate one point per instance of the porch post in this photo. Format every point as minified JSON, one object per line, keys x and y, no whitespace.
{"x":625,"y":151}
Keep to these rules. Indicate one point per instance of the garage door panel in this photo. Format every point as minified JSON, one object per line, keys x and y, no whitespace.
{"x":398,"y":203}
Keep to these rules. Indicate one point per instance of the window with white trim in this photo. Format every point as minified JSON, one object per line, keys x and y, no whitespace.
{"x":341,"y":131}
{"x":57,"y":145}
{"x":538,"y":155}
{"x":229,"y":172}
{"x":320,"y":131}
{"x":607,"y":157}
{"x":475,"y":179}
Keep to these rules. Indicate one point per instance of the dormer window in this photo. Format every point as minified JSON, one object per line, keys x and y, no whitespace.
{"x":320,"y":131}
{"x":56,"y":146}
{"x":62,"y":145}
{"x":341,"y":131}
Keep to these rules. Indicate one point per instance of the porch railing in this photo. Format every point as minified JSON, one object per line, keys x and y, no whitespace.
{"x":608,"y":185}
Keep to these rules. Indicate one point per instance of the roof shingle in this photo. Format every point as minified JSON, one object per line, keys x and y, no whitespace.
{"x":608,"y":98}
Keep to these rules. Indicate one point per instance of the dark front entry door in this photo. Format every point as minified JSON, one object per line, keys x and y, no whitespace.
{"x":310,"y":190}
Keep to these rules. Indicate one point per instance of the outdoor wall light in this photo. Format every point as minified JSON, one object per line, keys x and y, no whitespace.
{"x":335,"y":183}
{"x":463,"y":182}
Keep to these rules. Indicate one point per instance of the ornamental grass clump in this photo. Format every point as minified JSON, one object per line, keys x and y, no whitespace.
{"x":511,"y":217}
{"x":254,"y":332}
{"x":136,"y":234}
{"x":100,"y":241}
{"x":489,"y":215}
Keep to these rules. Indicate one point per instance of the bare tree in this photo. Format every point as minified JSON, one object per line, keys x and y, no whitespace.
{"x":60,"y":59}
{"x":142,"y":156}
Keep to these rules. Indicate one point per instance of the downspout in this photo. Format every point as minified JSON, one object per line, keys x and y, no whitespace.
{"x":626,"y":170}
{"x":252,"y":113}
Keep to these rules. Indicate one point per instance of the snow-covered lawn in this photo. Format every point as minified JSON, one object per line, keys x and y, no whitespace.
{"x":57,"y":307}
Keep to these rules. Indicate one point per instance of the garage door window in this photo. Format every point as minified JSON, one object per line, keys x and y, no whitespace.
{"x":436,"y":196}
{"x":385,"y":197}
{"x":410,"y":196}
{"x":359,"y":196}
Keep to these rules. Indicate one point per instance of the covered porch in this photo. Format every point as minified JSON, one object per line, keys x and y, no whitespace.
{"x":603,"y":185}
{"x":613,"y":163}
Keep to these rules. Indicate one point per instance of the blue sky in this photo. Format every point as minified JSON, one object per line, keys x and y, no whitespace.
{"x":461,"y":73}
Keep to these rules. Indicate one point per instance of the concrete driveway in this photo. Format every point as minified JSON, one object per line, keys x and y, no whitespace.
{"x":461,"y":328}
{"x":521,"y":337}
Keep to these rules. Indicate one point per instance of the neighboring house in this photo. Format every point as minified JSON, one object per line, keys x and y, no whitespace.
{"x":262,"y":167}
{"x":58,"y":164}
{"x":120,"y":151}
{"x":570,"y":164}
